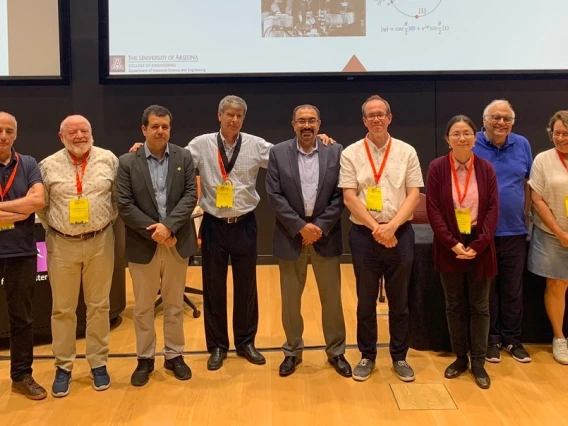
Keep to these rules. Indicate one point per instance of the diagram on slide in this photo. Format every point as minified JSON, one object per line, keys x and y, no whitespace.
{"x":313,"y":18}
{"x":412,"y":8}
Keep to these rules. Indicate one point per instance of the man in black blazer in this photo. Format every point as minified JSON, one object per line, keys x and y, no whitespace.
{"x":156,"y":197}
{"x":301,"y":184}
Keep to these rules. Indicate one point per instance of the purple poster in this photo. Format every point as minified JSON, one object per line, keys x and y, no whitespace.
{"x":41,"y":257}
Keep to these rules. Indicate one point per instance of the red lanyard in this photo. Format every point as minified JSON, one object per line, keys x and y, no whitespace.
{"x":467,"y":179}
{"x":4,"y":192}
{"x":79,"y":179}
{"x":562,"y":159}
{"x":376,"y":175}
{"x":222,"y":166}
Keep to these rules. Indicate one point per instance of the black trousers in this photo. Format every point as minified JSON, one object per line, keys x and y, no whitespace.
{"x":219,"y":241}
{"x":463,"y":289}
{"x":506,"y":299}
{"x":18,"y":278}
{"x":372,"y":261}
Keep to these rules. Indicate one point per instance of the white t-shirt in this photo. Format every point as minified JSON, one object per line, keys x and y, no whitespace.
{"x":549,"y":179}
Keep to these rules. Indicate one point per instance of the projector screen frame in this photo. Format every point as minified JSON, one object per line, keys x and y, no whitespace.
{"x":106,"y":78}
{"x":64,"y":77}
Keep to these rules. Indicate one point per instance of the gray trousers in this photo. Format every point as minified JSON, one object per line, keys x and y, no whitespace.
{"x":165,"y":272}
{"x":292,"y":282}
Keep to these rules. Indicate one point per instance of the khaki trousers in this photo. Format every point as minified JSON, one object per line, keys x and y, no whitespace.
{"x":165,"y":272}
{"x":72,"y":263}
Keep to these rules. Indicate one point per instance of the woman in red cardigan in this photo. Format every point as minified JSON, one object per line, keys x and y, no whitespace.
{"x":462,"y":206}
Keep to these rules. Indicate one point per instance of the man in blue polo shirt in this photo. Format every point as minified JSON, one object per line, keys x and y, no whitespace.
{"x":511,"y":157}
{"x":21,"y":195}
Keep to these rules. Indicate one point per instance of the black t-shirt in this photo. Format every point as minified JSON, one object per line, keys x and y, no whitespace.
{"x":19,"y":241}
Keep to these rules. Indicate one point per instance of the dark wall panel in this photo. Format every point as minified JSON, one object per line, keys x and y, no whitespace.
{"x":420,"y":108}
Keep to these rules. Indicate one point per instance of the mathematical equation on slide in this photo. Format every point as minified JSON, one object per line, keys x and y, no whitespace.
{"x":407,"y":28}
{"x":417,"y":9}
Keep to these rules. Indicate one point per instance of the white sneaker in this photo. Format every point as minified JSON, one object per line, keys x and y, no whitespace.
{"x":560,"y":350}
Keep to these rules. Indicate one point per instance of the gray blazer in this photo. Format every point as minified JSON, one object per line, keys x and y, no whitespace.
{"x":285,"y":196}
{"x":138,"y":207}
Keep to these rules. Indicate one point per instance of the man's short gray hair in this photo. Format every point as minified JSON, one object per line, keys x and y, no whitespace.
{"x":232,"y":101}
{"x":13,"y":118}
{"x":498,"y":102}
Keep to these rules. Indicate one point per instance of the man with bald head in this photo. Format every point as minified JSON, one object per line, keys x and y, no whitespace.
{"x":21,"y":195}
{"x":510,"y":154}
{"x":81,"y":206}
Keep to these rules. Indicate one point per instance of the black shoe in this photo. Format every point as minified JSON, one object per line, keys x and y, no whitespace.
{"x":289,"y":365}
{"x":456,"y":368}
{"x":142,"y":373}
{"x":493,"y":353}
{"x":341,"y":365}
{"x":179,"y":367}
{"x":251,"y":354}
{"x":481,"y":377}
{"x":216,"y":358}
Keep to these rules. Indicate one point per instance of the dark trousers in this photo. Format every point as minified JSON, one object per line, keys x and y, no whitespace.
{"x":18,"y":276}
{"x":459,"y":289}
{"x":219,"y":240}
{"x":506,"y":299}
{"x":372,"y":261}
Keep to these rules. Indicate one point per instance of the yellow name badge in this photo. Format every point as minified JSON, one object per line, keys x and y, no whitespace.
{"x":6,"y":226}
{"x":463,"y":217}
{"x":79,"y":211}
{"x":224,"y":196}
{"x":375,"y":199}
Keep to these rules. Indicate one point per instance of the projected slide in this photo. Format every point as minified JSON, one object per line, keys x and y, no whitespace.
{"x":29,"y":38}
{"x":259,"y":37}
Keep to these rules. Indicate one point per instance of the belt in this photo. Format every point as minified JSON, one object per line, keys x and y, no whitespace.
{"x":85,"y":236}
{"x":232,"y":219}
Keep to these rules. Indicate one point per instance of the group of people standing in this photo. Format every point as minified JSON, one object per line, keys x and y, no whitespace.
{"x":477,"y":196}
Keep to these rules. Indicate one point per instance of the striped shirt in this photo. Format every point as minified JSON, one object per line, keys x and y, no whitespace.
{"x":252,"y":156}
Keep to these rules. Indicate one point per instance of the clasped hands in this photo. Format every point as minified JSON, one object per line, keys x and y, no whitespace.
{"x":463,"y":253}
{"x":383,"y":233}
{"x":310,"y":233}
{"x":162,"y":235}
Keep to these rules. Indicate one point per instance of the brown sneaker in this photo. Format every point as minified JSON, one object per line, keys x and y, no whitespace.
{"x":29,"y":387}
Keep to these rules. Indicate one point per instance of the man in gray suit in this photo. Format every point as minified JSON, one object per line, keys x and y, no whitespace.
{"x":301,"y":184}
{"x":156,"y":197}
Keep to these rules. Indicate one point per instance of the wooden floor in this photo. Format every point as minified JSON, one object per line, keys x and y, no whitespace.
{"x":244,"y":394}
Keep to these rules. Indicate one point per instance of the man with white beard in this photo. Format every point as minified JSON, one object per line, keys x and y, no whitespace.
{"x":80,"y":208}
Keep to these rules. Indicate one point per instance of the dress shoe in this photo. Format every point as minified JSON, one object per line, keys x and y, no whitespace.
{"x":289,"y":365}
{"x":179,"y":367}
{"x":142,"y":373}
{"x":28,"y":387}
{"x":216,"y":358}
{"x":481,"y":377}
{"x":456,"y":368}
{"x":251,"y":354}
{"x":341,"y":365}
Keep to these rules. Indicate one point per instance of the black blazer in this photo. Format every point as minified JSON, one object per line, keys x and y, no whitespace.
{"x":284,"y":191}
{"x":138,"y":207}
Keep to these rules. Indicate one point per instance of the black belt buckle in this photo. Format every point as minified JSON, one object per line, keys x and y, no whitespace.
{"x":233,"y":219}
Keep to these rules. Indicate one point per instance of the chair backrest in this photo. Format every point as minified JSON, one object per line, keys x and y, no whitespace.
{"x":420,"y":215}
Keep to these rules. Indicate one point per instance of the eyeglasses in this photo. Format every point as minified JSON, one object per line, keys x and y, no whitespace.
{"x":560,"y":134}
{"x":496,"y":118}
{"x":466,"y":135}
{"x":379,"y":116}
{"x":303,"y":121}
